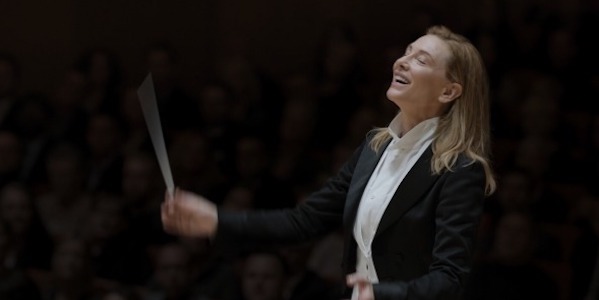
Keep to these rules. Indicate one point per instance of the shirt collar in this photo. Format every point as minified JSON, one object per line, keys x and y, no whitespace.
{"x":420,"y":131}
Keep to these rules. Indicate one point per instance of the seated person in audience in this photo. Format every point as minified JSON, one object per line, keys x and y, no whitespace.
{"x":510,"y":272}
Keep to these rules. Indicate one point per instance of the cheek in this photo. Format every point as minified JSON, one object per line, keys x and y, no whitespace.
{"x":429,"y":75}
{"x":433,"y":81}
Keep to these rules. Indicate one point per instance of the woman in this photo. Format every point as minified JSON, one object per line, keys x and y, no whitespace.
{"x":410,"y":196}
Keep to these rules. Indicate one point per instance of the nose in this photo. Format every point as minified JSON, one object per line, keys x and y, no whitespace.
{"x":401,"y":63}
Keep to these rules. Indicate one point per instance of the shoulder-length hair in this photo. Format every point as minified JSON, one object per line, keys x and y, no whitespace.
{"x":465,"y":127}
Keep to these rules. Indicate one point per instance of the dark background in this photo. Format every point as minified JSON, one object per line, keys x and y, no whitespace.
{"x":260,"y":102}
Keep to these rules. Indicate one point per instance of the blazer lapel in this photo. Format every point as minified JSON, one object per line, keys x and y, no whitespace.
{"x":413,"y":186}
{"x":364,"y":169}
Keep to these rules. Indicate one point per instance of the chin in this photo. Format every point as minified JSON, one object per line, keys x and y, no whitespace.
{"x":394,"y":96}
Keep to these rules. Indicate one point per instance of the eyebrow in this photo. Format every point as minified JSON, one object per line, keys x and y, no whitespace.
{"x":420,"y":51}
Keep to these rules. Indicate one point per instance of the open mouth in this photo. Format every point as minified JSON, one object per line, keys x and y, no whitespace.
{"x":401,"y":79}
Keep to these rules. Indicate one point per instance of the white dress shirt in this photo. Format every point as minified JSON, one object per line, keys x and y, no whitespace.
{"x":396,"y":161}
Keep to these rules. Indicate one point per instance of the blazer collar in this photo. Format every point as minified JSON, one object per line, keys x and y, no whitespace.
{"x":414,"y":185}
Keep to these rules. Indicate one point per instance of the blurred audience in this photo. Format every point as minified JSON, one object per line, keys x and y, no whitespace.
{"x":72,"y":275}
{"x":172,"y":274}
{"x":510,"y":271}
{"x":30,"y":245}
{"x":80,"y":187}
{"x":302,"y":282}
{"x":15,"y":284}
{"x":11,"y":151}
{"x":103,"y":74}
{"x":264,"y":276}
{"x":115,"y":252}
{"x":174,"y":102}
{"x":65,"y":204}
{"x":105,"y":158}
{"x":10,"y":77}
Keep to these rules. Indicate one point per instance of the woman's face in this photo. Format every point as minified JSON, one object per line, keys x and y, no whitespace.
{"x":419,"y":78}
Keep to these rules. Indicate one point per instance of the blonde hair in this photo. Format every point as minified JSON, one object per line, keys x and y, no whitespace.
{"x":465,"y":127}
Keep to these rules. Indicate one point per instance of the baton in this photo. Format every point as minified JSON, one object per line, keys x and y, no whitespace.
{"x":147,"y":99}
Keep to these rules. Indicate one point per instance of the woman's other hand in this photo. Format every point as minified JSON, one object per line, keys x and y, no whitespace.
{"x":363,"y":286}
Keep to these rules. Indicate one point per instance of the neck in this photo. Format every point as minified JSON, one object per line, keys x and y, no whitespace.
{"x":412,"y":115}
{"x":410,"y":121}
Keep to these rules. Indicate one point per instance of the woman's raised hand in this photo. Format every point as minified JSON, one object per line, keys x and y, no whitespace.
{"x":188,"y":214}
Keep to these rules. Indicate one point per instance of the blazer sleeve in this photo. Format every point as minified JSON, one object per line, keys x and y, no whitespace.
{"x":456,"y":220}
{"x":320,"y":213}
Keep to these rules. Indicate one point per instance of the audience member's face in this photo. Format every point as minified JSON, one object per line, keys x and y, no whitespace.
{"x":299,"y":86}
{"x":7,"y":78}
{"x":263,"y":278}
{"x":102,"y":135}
{"x":16,"y":209}
{"x":70,"y":91}
{"x":488,"y":13}
{"x":159,"y":64}
{"x":189,"y":152}
{"x":214,"y":105}
{"x":297,"y":122}
{"x":114,"y":296}
{"x":106,"y":219}
{"x":198,"y":249}
{"x":488,"y":49}
{"x":10,"y":152}
{"x":172,"y":268}
{"x":595,"y":133}
{"x":31,"y":119}
{"x":138,"y":177}
{"x":419,"y":77}
{"x":131,"y":109}
{"x":595,"y":217}
{"x":540,"y":115}
{"x":362,"y":121}
{"x":515,"y":193}
{"x":562,"y":48}
{"x":237,"y":72}
{"x":70,"y":261}
{"x":296,"y":256}
{"x":340,"y":54}
{"x":4,"y":243}
{"x":527,"y":34}
{"x":251,"y":157}
{"x":64,"y":174}
{"x":534,"y":154}
{"x":99,"y":73}
{"x":513,"y":241}
{"x":238,"y":199}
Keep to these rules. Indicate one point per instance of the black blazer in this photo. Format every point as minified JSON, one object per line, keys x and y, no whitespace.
{"x":423,"y":246}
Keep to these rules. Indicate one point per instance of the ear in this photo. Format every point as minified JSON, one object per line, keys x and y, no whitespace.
{"x":450,"y":92}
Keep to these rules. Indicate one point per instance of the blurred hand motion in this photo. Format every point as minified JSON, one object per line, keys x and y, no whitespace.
{"x":188,"y":214}
{"x":365,"y":290}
